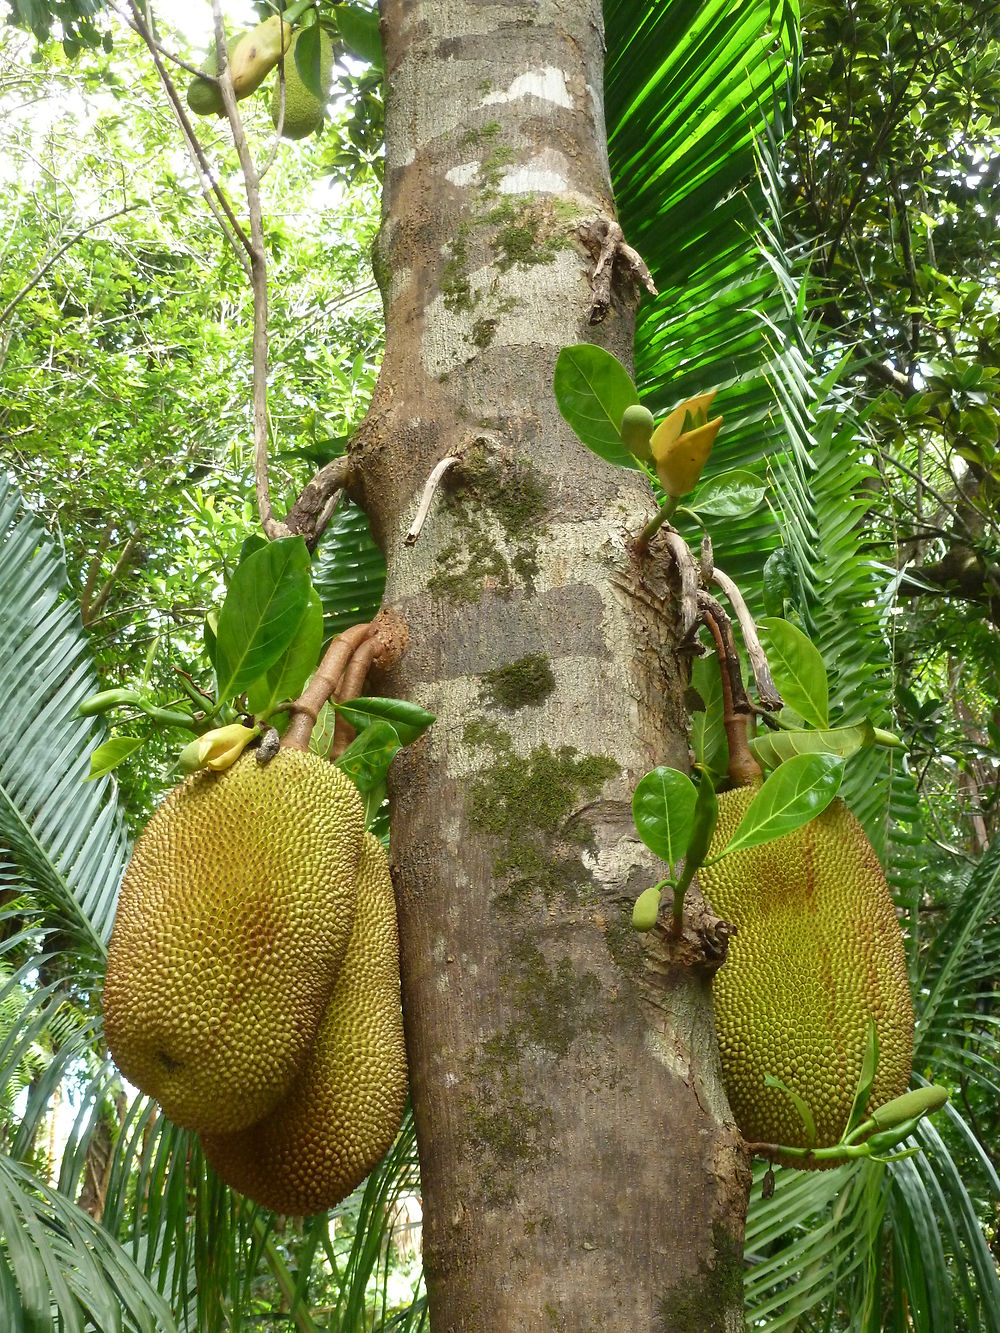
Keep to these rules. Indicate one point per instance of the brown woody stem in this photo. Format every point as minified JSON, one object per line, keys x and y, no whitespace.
{"x":351,"y":685}
{"x":743,"y":767}
{"x":305,"y":710}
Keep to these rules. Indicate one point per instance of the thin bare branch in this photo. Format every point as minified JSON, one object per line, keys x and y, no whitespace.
{"x":218,"y":204}
{"x":767,"y":691}
{"x":430,"y":487}
{"x":688,"y":571}
{"x":258,"y":277}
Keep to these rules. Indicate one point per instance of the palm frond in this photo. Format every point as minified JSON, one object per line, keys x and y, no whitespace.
{"x":64,"y":839}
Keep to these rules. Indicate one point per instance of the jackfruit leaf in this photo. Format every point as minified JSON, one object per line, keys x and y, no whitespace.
{"x":663,"y":809}
{"x":774,"y":747}
{"x":255,"y":542}
{"x":111,"y":754}
{"x":593,"y":389}
{"x":309,"y":60}
{"x":796,"y":792}
{"x":730,"y":495}
{"x":706,"y":816}
{"x":211,"y":630}
{"x":359,"y":29}
{"x":266,"y":601}
{"x":802,"y":1107}
{"x":798,"y":670}
{"x":321,"y":740}
{"x":866,"y":1078}
{"x":708,"y":732}
{"x":776,"y":581}
{"x":366,"y":760}
{"x":286,"y":678}
{"x":408,"y":720}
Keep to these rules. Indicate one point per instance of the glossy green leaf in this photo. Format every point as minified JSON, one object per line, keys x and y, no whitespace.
{"x":287,"y":676}
{"x":772,"y":748}
{"x":113,"y":752}
{"x":798,"y":670}
{"x":663,"y":809}
{"x":308,"y":58}
{"x":728,"y":495}
{"x":366,"y":760}
{"x":592,"y":390}
{"x":267,"y":599}
{"x":796,"y":792}
{"x":360,"y":31}
{"x":408,"y":720}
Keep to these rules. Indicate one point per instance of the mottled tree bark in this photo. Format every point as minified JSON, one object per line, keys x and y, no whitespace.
{"x":580,"y":1167}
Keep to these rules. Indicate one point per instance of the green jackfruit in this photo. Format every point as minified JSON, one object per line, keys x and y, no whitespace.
{"x":818,"y":950}
{"x":203,"y":95}
{"x":252,"y":56}
{"x":343,"y":1111}
{"x":234,"y":917}
{"x":303,"y":109}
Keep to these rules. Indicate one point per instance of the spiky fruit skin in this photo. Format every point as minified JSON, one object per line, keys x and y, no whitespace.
{"x":344,"y":1110}
{"x":818,"y":949}
{"x":303,"y":109}
{"x":234,"y":915}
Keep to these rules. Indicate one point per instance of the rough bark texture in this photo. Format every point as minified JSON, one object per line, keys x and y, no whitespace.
{"x":580,"y":1168}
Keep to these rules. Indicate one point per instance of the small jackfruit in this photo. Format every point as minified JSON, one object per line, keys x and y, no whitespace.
{"x":235,"y":913}
{"x":303,"y":109}
{"x":344,"y":1109}
{"x":204,"y":96}
{"x":818,"y":951}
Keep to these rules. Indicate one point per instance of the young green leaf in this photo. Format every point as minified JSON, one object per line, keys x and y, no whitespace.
{"x":593,"y":389}
{"x":111,"y":754}
{"x":663,"y":809}
{"x":266,"y":600}
{"x":286,"y":677}
{"x":408,"y":720}
{"x":729,"y":495}
{"x":796,"y":792}
{"x":798,"y":670}
{"x":869,"y":1066}
{"x":772,"y":748}
{"x":708,"y":732}
{"x":706,"y":816}
{"x":802,"y":1107}
{"x":366,"y":760}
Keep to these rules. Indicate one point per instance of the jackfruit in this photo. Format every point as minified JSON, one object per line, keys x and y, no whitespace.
{"x":303,"y":109}
{"x":818,"y":950}
{"x":203,"y":95}
{"x":235,"y":913}
{"x":344,"y":1109}
{"x":257,"y":53}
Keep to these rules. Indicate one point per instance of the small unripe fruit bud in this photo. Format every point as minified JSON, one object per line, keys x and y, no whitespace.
{"x":217,"y":749}
{"x":918,"y":1101}
{"x":646,"y":909}
{"x":636,"y":431}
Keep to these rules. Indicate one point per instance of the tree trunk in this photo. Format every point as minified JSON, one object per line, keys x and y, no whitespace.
{"x":579,"y":1163}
